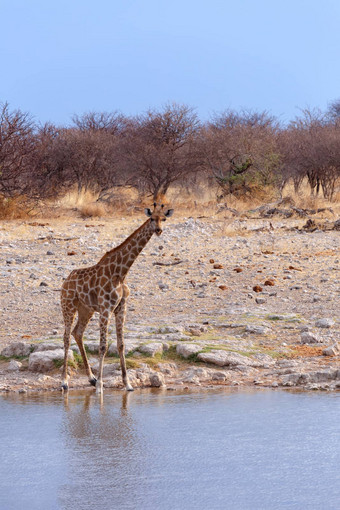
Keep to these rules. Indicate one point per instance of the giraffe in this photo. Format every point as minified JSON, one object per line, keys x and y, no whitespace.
{"x":102,"y":288}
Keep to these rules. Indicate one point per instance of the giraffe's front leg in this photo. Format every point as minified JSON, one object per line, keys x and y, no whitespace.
{"x":103,"y":323}
{"x":120,"y":313}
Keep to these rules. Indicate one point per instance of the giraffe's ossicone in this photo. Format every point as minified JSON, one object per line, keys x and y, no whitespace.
{"x":101,"y":288}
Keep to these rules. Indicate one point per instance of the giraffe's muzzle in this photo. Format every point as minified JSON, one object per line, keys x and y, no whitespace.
{"x":158,"y":231}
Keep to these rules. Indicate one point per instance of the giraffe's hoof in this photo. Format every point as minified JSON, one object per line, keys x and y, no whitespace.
{"x":129,"y":388}
{"x":93,"y":381}
{"x":64,"y":386}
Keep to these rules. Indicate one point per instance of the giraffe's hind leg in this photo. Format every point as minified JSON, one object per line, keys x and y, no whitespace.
{"x":120,"y":313}
{"x":84,"y":316}
{"x":68,"y":314}
{"x":103,"y":325}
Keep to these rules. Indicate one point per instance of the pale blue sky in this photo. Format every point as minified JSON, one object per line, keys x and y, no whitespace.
{"x":70,"y":56}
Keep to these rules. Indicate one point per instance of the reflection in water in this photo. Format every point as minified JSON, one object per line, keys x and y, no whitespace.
{"x":215,"y":449}
{"x":103,"y":450}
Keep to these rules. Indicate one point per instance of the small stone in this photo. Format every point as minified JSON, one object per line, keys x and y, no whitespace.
{"x":332,"y":350}
{"x":269,"y":283}
{"x":218,"y":376}
{"x":260,"y":300}
{"x":14,"y":366}
{"x":49,"y":252}
{"x":193,"y":379}
{"x":167,"y":368}
{"x":257,"y":288}
{"x":307,"y":337}
{"x":163,"y":286}
{"x":324,"y":323}
{"x":217,"y":266}
{"x":157,"y":380}
{"x":257,"y":330}
{"x":194,"y":331}
{"x":43,"y":284}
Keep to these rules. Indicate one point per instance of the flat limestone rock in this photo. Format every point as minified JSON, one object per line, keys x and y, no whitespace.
{"x":257,"y":330}
{"x":43,"y":361}
{"x":307,"y":337}
{"x":332,"y":350}
{"x":48,"y":346}
{"x":16,"y":349}
{"x":187,"y":350}
{"x":225,"y":358}
{"x":151,"y":349}
{"x":128,"y":347}
{"x":324,"y":323}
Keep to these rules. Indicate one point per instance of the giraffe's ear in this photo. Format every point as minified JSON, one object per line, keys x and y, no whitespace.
{"x":169,"y":213}
{"x":148,"y":212}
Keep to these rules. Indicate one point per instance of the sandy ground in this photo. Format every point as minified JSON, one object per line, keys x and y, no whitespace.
{"x":209,"y":294}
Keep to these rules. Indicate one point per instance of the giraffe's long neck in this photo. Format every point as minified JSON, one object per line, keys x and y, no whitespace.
{"x":120,"y":259}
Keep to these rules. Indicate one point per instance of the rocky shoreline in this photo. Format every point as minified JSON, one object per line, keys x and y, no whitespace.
{"x":169,"y":362}
{"x":253,"y":303}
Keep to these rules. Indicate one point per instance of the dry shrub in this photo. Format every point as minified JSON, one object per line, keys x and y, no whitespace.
{"x":117,"y":201}
{"x":85,"y":203}
{"x":74,"y":200}
{"x":92,"y":210}
{"x":15,"y":208}
{"x":200,"y":201}
{"x":303,"y":199}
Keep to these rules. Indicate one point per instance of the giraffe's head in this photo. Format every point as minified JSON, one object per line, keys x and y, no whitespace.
{"x":160,"y":213}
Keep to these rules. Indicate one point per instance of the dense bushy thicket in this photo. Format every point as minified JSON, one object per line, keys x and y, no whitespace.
{"x":238,"y":152}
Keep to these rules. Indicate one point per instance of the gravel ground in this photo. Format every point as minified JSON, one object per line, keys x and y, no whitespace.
{"x":253,"y":287}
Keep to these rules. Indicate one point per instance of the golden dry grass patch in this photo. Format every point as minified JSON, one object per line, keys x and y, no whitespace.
{"x":305,"y":351}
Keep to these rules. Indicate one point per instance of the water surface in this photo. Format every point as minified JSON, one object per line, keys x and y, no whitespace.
{"x":212,"y":449}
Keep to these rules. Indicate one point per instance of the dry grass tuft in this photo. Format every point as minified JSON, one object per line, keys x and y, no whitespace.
{"x":92,"y":210}
{"x":85,"y":203}
{"x":303,"y":199}
{"x":298,"y":351}
{"x":14,"y":208}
